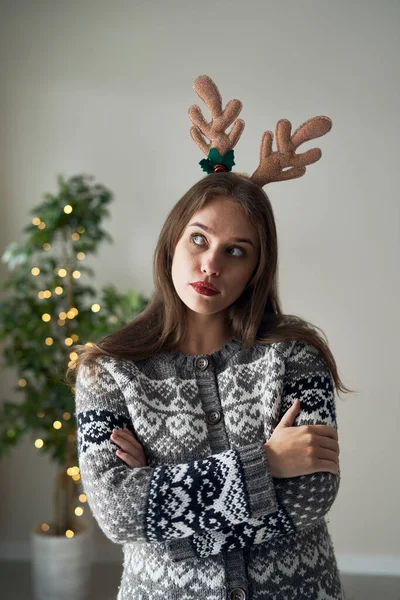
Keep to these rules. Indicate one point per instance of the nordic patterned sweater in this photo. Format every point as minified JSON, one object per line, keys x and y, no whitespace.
{"x":205,"y":520}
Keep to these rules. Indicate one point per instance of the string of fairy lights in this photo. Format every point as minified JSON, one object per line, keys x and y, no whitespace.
{"x":62,"y":317}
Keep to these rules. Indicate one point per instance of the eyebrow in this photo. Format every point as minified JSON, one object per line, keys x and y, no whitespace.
{"x":242,"y":240}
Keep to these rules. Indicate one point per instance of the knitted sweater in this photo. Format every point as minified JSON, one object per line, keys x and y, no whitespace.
{"x":205,"y":520}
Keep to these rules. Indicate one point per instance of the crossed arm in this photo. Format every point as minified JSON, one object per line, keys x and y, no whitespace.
{"x":204,"y":507}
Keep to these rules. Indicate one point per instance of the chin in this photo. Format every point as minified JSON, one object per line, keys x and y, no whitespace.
{"x":202,"y":304}
{"x":202,"y":308}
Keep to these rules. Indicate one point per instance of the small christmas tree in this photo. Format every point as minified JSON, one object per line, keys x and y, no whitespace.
{"x":48,"y":308}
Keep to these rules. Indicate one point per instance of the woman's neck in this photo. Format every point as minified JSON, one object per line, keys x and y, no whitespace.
{"x":207,"y":342}
{"x":202,"y":348}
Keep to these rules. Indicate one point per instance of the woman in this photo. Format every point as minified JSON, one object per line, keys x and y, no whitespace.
{"x":207,"y":432}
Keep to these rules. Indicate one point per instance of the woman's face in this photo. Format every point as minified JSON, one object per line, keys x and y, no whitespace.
{"x":213,"y":249}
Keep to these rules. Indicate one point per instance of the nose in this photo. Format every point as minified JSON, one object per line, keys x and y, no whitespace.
{"x":210,"y":264}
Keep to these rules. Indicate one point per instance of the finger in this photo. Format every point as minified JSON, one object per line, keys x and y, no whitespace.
{"x":327,"y":442}
{"x":129,"y":460}
{"x":134,"y":460}
{"x":131,"y":436}
{"x":127,"y":447}
{"x":289,"y":417}
{"x":128,"y":435}
{"x":326,"y":454}
{"x":325,"y":430}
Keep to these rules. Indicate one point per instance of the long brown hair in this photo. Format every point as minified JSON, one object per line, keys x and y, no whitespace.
{"x":255,"y":317}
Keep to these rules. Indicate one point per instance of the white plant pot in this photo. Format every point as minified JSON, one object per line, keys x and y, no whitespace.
{"x":61,"y":566}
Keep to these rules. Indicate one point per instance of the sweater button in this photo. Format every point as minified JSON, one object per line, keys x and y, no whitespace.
{"x":202,"y":363}
{"x":238,"y":594}
{"x":214,"y":416}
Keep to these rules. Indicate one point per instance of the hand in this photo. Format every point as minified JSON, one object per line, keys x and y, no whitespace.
{"x":293,"y":451}
{"x":131,"y":451}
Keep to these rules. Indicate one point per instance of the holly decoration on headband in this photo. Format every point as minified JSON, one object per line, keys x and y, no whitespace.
{"x":215,"y":162}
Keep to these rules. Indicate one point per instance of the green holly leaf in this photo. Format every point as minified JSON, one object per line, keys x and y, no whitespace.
{"x":214,"y":158}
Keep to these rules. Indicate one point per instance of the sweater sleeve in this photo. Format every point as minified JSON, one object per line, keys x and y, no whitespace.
{"x":301,"y":501}
{"x":165,"y":502}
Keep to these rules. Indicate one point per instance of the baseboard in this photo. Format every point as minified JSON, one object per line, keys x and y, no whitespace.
{"x":352,"y":564}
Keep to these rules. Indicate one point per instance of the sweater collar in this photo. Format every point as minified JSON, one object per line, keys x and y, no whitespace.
{"x":217,"y":357}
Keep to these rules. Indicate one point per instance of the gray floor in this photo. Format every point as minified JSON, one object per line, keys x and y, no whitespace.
{"x":15,"y":584}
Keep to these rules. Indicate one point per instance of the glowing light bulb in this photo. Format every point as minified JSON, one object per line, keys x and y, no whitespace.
{"x":69,"y":533}
{"x":35,"y":221}
{"x":95,"y":307}
{"x":41,"y":295}
{"x":75,"y":337}
{"x":68,"y":209}
{"x":62,"y":315}
{"x":46,"y":246}
{"x":39,"y":443}
{"x":35,"y":271}
{"x":22,"y":382}
{"x":49,"y":341}
{"x":47,"y":293}
{"x":58,"y":290}
{"x":46,"y":317}
{"x":68,"y":341}
{"x":57,"y":424}
{"x":79,"y":511}
{"x":45,"y":527}
{"x":41,"y":225}
{"x":73,"y":355}
{"x":66,"y":416}
{"x":81,"y":229}
{"x":61,"y":322}
{"x":76,"y":274}
{"x":82,"y":498}
{"x":80,"y":255}
{"x":75,"y":237}
{"x":62,"y":272}
{"x":71,"y":314}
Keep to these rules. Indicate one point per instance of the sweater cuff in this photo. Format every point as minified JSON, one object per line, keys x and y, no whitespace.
{"x":180,"y":549}
{"x":260,"y":485}
{"x":261,"y":495}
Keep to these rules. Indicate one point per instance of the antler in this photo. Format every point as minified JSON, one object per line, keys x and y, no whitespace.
{"x":221,"y":119}
{"x":272,"y":163}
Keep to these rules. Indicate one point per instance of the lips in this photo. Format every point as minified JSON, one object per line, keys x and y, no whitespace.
{"x":205,"y":288}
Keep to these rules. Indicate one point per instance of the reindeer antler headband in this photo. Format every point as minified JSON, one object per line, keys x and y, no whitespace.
{"x":219,"y":151}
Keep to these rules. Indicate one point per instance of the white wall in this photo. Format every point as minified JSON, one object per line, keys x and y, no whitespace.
{"x":104,"y":87}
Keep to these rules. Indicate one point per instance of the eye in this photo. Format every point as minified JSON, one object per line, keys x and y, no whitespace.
{"x":242,"y":250}
{"x":196,"y":235}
